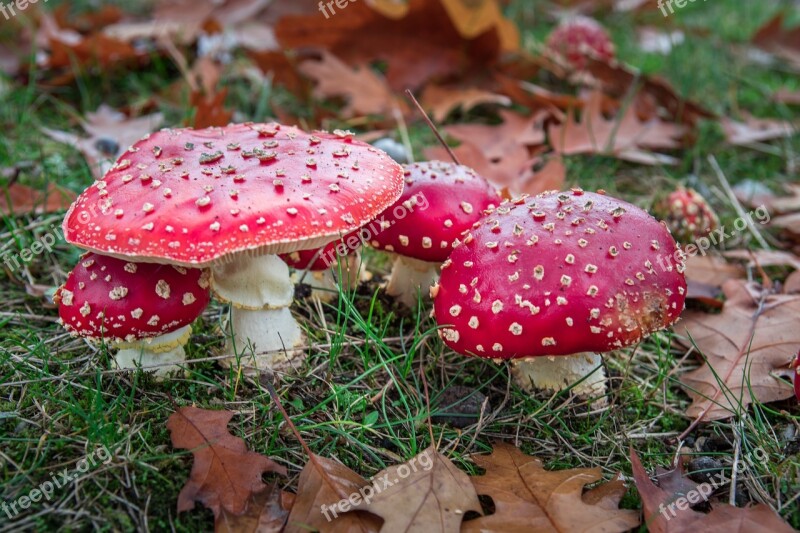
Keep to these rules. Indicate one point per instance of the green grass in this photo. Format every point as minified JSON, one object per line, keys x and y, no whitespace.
{"x":374,"y":369}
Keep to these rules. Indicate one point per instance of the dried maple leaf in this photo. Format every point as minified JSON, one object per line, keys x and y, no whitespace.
{"x":772,"y":38}
{"x":324,"y":483}
{"x":225,"y":475}
{"x":723,"y":518}
{"x":17,"y":199}
{"x":625,"y":137}
{"x":266,"y":512}
{"x":530,"y":499}
{"x":754,"y":130}
{"x":110,"y":132}
{"x":497,"y":142}
{"x":365,"y":91}
{"x":430,"y":498}
{"x":441,"y":101}
{"x":745,"y":347}
{"x":416,"y":41}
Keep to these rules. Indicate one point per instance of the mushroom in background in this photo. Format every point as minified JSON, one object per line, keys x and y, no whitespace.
{"x":577,"y":37}
{"x":144,"y":309}
{"x":232,"y":199}
{"x":687,"y":214}
{"x":320,"y":267}
{"x":551,"y":281}
{"x":439,"y":202}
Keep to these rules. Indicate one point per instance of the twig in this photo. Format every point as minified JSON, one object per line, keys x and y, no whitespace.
{"x":432,"y":126}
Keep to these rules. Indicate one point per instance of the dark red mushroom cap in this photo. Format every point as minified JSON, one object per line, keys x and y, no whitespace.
{"x":559,"y":274}
{"x":196,"y":197}
{"x":439,"y":202}
{"x":317,"y":259}
{"x":119,"y":301}
{"x":796,"y":375}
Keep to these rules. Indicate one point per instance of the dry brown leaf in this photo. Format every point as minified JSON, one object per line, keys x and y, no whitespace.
{"x":225,"y":475}
{"x":266,"y":512}
{"x":550,"y":177}
{"x":711,"y":269}
{"x":507,"y":172}
{"x":625,"y":136}
{"x":535,"y":97}
{"x":772,"y":38}
{"x":282,"y":70}
{"x":792,"y":283}
{"x":111,"y":132}
{"x":18,"y":199}
{"x":755,"y":130}
{"x":530,"y":499}
{"x":441,"y":101}
{"x":765,"y":258}
{"x":723,"y":518}
{"x":325,"y":482}
{"x":497,"y":142}
{"x":417,"y":41}
{"x":746,"y":346}
{"x":432,"y":499}
{"x":786,"y":96}
{"x":365,"y":91}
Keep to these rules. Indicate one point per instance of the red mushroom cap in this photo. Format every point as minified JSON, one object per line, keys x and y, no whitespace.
{"x":796,"y":375}
{"x":119,"y":301}
{"x":440,"y":201}
{"x":577,"y":37}
{"x":196,"y":197}
{"x":317,"y":259}
{"x":559,"y":274}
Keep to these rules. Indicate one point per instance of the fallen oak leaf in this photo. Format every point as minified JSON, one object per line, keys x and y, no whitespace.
{"x":530,"y":499}
{"x":324,"y":489}
{"x":661,"y":515}
{"x":18,"y":199}
{"x":755,"y":130}
{"x":496,"y":142}
{"x":503,"y":173}
{"x":745,"y":347}
{"x":224,"y":473}
{"x":266,"y":512}
{"x":783,"y":43}
{"x":443,"y":100}
{"x":432,"y":498}
{"x":550,"y":177}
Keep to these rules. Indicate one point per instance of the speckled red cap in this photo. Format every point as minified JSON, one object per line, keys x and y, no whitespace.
{"x":439,"y":202}
{"x":559,"y":274}
{"x":316,"y":259}
{"x":120,"y":301}
{"x":197,"y":197}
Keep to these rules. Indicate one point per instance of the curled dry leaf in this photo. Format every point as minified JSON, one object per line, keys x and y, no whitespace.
{"x":432,"y":499}
{"x":266,"y":512}
{"x":225,"y":475}
{"x":530,"y":499}
{"x":723,"y":518}
{"x":746,"y":348}
{"x":755,"y":130}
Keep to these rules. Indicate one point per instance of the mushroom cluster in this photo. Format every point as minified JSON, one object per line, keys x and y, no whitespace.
{"x":232,"y":199}
{"x":439,"y":202}
{"x":560,"y":274}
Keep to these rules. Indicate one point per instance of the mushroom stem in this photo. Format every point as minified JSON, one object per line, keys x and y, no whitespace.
{"x":260,"y":291}
{"x":410,"y":276}
{"x":559,"y":372}
{"x":166,"y":350}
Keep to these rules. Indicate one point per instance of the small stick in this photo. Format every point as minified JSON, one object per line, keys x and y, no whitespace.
{"x":432,"y":126}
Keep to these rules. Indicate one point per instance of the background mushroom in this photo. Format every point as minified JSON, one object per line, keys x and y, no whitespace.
{"x":232,"y":199}
{"x":561,"y":274}
{"x":439,"y":202}
{"x":143,"y":309}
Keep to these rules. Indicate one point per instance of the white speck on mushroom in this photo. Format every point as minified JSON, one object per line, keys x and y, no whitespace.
{"x":214,"y":226}
{"x":497,"y":306}
{"x":538,"y":272}
{"x":66,"y":297}
{"x":203,"y":201}
{"x":85,"y":309}
{"x":130,"y":268}
{"x":455,"y":310}
{"x":188,"y":298}
{"x":162,"y":289}
{"x":548,"y":341}
{"x":515,"y":329}
{"x":497,"y":347}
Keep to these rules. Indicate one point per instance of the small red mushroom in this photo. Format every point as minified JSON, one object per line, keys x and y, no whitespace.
{"x":231,"y":199}
{"x":576,"y":38}
{"x":559,"y":274}
{"x":796,"y":375}
{"x":145,"y":309}
{"x":439,"y":202}
{"x":688,"y":214}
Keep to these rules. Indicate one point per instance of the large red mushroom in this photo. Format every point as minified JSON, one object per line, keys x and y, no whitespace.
{"x":439,"y":202}
{"x":550,"y":281}
{"x":144,"y":309}
{"x":231,"y":199}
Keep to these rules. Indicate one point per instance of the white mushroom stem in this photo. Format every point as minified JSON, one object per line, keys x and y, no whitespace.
{"x":560,"y":372}
{"x":260,"y":292}
{"x":324,"y":284}
{"x":166,"y":351}
{"x":409,"y":278}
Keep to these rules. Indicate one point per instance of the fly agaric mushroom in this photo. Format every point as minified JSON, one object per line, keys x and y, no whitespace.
{"x":576,"y":38}
{"x":796,"y":375}
{"x":422,"y":238}
{"x":688,"y":214}
{"x":231,"y":199}
{"x":324,"y":263}
{"x":561,"y":274}
{"x":145,"y":309}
